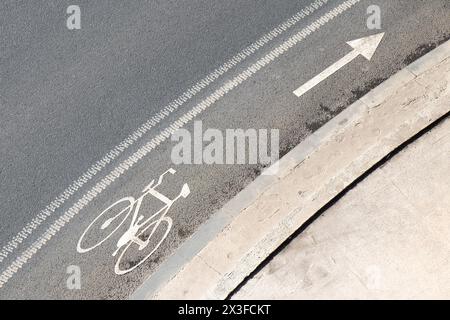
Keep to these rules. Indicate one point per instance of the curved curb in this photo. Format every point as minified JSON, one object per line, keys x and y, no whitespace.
{"x":226,"y":249}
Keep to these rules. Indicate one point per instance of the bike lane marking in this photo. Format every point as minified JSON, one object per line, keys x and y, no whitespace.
{"x":119,"y":170}
{"x":136,"y":227}
{"x":70,"y":191}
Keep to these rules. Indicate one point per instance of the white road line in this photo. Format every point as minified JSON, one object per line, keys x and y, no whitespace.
{"x":20,"y":261}
{"x":143,"y":129}
{"x":364,"y":46}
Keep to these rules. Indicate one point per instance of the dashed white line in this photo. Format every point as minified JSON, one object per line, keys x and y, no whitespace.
{"x":143,"y":129}
{"x":19,"y":262}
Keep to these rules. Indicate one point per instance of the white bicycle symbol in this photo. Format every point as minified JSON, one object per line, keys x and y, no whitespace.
{"x":113,"y":217}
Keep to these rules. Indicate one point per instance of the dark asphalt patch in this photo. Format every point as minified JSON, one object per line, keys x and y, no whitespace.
{"x":423,"y":49}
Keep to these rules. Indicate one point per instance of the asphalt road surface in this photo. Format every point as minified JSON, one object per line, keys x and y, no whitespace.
{"x":72,"y":100}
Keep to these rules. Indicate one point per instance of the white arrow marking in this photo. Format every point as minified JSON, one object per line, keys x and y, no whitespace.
{"x":364,"y":46}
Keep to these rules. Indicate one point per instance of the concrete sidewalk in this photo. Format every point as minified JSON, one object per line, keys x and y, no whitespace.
{"x":387,"y":238}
